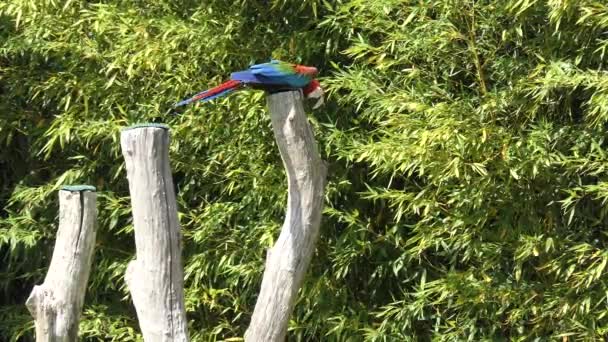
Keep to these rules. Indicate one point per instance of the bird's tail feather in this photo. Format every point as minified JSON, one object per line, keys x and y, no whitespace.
{"x":217,"y":91}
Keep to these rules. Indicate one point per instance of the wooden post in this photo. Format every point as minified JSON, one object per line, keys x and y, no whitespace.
{"x":287,"y":261}
{"x":57,"y":303}
{"x":156,"y":277}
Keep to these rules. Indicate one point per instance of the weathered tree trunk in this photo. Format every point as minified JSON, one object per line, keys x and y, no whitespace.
{"x":287,"y":261}
{"x":57,"y":303}
{"x":155,"y":278}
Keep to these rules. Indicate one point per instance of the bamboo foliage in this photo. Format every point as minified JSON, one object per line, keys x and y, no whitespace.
{"x":465,"y":139}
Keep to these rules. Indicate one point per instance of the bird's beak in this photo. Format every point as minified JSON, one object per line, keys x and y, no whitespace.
{"x":319,"y":95}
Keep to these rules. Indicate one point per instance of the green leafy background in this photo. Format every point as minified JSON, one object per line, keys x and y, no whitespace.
{"x":466,"y":143}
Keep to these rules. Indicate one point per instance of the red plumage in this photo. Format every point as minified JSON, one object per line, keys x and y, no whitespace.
{"x":219,"y":90}
{"x":272,"y":77}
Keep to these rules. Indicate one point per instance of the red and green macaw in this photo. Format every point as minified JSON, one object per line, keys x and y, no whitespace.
{"x":272,"y":76}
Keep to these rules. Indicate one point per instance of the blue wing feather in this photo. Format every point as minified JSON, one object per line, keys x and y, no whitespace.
{"x":263,"y":65}
{"x":270,"y":69}
{"x":268,"y":73}
{"x":249,"y":77}
{"x":218,"y":95}
{"x":188,"y":100}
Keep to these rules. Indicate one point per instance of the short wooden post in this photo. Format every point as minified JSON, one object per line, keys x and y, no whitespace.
{"x":288,"y":260}
{"x":155,"y":278}
{"x":57,"y":303}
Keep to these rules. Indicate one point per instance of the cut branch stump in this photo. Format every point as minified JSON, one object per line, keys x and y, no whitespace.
{"x":156,"y":277}
{"x":288,"y":260}
{"x":57,"y":303}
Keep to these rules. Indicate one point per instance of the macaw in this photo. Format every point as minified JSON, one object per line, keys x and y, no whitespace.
{"x":272,"y":76}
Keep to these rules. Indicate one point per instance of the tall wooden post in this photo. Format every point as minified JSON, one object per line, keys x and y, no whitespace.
{"x":288,"y":260}
{"x":57,"y":303}
{"x":156,"y":277}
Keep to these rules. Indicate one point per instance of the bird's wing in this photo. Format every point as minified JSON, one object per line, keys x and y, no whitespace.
{"x":273,"y":68}
{"x":250,"y":78}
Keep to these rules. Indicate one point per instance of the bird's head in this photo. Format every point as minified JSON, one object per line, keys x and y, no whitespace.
{"x":314,"y":91}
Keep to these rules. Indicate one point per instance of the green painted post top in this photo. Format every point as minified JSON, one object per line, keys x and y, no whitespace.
{"x":143,"y":125}
{"x":78,"y":187}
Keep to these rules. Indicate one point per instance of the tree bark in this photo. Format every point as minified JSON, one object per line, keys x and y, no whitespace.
{"x":155,"y":278}
{"x":57,"y":303}
{"x":288,"y":260}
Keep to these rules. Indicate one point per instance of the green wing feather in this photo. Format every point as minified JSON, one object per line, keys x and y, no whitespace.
{"x":274,"y":68}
